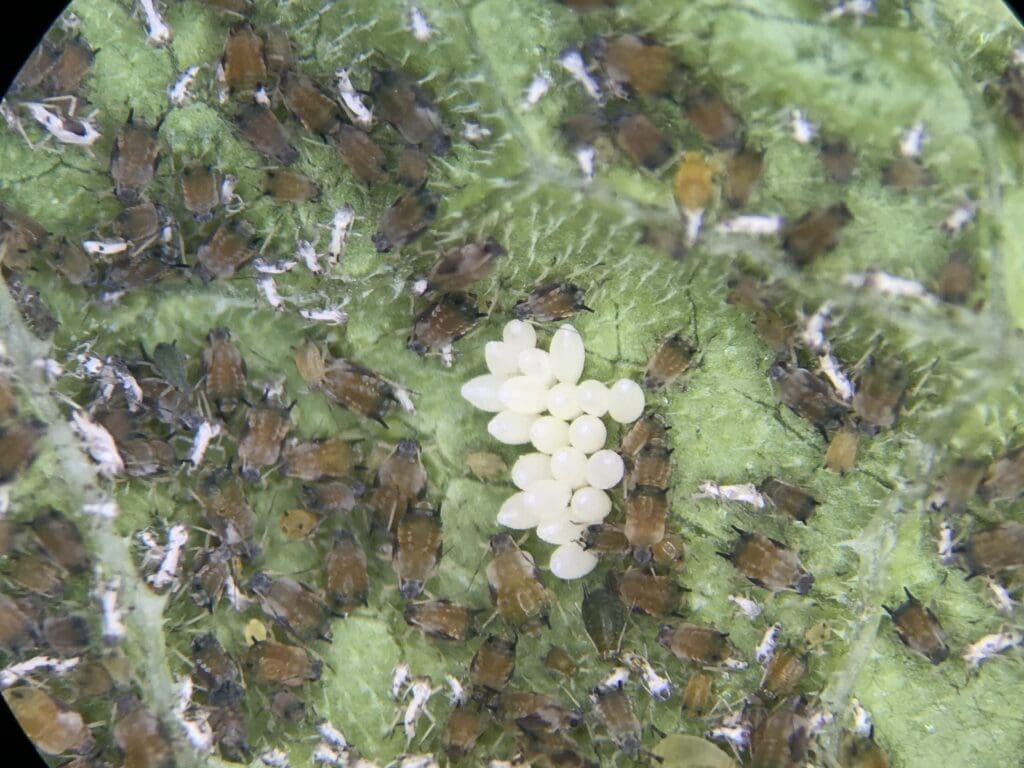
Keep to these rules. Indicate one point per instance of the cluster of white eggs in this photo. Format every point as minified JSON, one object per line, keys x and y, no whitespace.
{"x":538,"y":399}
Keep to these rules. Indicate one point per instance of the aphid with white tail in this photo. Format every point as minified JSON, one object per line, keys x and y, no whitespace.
{"x":11,"y":674}
{"x":352,"y":101}
{"x":103,"y":508}
{"x":419,"y":26}
{"x":81,"y":133}
{"x":572,"y":62}
{"x":197,"y":729}
{"x":659,"y":687}
{"x":585,"y":155}
{"x":989,"y":646}
{"x":341,"y":226}
{"x":114,"y":630}
{"x":178,"y":94}
{"x":1001,"y":598}
{"x":745,"y":493}
{"x":755,"y":226}
{"x":157,"y":31}
{"x":863,"y":725}
{"x":766,"y":648}
{"x":167,"y":574}
{"x":535,"y":91}
{"x":749,"y":608}
{"x":99,"y":443}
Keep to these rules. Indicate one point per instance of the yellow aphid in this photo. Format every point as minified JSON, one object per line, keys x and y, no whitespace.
{"x":255,"y":632}
{"x":693,"y":182}
{"x":298,"y":523}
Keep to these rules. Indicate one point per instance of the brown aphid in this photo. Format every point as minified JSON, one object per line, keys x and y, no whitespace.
{"x":700,"y":645}
{"x":200,"y":191}
{"x":37,"y":574}
{"x":35,"y":68}
{"x":318,"y":459}
{"x":19,"y":446}
{"x":142,"y":738}
{"x":210,"y":572}
{"x":229,"y":732}
{"x":334,"y":496}
{"x":604,"y":539}
{"x":997,"y":550}
{"x":584,"y":128}
{"x":838,"y":159}
{"x":403,"y":470}
{"x":493,"y":665}
{"x":244,"y":68}
{"x":919,"y":629}
{"x":537,"y":713}
{"x":783,"y":738}
{"x":807,"y":395}
{"x":792,"y":500}
{"x":784,"y":671}
{"x":515,"y":584}
{"x":880,"y":389}
{"x":358,"y":389}
{"x":20,"y":236}
{"x":399,"y":100}
{"x":417,"y":549}
{"x":216,"y":670}
{"x":673,"y":358}
{"x":693,"y":183}
{"x":147,"y":456}
{"x":857,"y":751}
{"x":485,"y":465}
{"x":669,"y":553}
{"x":841,"y":454}
{"x":298,"y":523}
{"x":223,"y":370}
{"x":462,"y":266}
{"x":462,"y":731}
{"x":17,"y":628}
{"x":293,"y":605}
{"x":261,"y":128}
{"x":642,"y":141}
{"x":413,"y":167}
{"x":91,"y":678}
{"x":696,"y":694}
{"x":1004,"y":478}
{"x":604,"y":620}
{"x":956,"y":278}
{"x":652,"y":466}
{"x":60,"y":538}
{"x":290,"y":186}
{"x":713,"y":119}
{"x":222,"y":497}
{"x":277,"y":49}
{"x":637,"y":63}
{"x":406,"y":219}
{"x":361,"y":154}
{"x":614,"y":710}
{"x":560,"y":661}
{"x":139,"y":224}
{"x":265,"y":429}
{"x":815,"y":233}
{"x":286,"y":707}
{"x":742,"y":171}
{"x":547,"y":303}
{"x":72,"y":263}
{"x":442,"y":619}
{"x":444,"y":322}
{"x":134,"y":272}
{"x":317,"y":111}
{"x":646,"y":515}
{"x":649,"y":428}
{"x":906,"y":173}
{"x":133,"y":159}
{"x":73,"y":64}
{"x":348,"y":582}
{"x":228,"y":250}
{"x":648,"y":593}
{"x":52,"y":725}
{"x":768,"y":563}
{"x":281,"y":664}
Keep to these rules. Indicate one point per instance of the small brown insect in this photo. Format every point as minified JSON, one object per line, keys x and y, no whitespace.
{"x":236,"y":7}
{"x":141,"y":737}
{"x":91,"y":678}
{"x":399,"y":100}
{"x":648,"y":593}
{"x":637,"y":63}
{"x":139,"y":224}
{"x":348,"y":581}
{"x":789,"y":499}
{"x":361,"y":154}
{"x":264,"y":131}
{"x":226,"y":509}
{"x":281,"y":664}
{"x":290,"y":187}
{"x":229,"y":731}
{"x":838,"y":159}
{"x":318,"y":459}
{"x":784,"y":671}
{"x":133,"y":159}
{"x":19,"y":446}
{"x":442,"y":619}
{"x":806,"y":395}
{"x":444,"y":322}
{"x":714,"y":120}
{"x":742,"y":171}
{"x":417,"y":549}
{"x":956,"y":279}
{"x":317,"y":112}
{"x":52,"y":725}
{"x":560,"y":661}
{"x":646,"y":515}
{"x":861,"y":752}
{"x":60,"y":538}
{"x":66,"y":634}
{"x":696,"y":694}
{"x":555,"y":301}
{"x":37,"y":574}
{"x":604,"y":620}
{"x":614,"y":710}
{"x":492,"y":665}
{"x":485,"y":465}
{"x":243,"y":64}
{"x":20,"y":237}
{"x":515,"y":584}
{"x":768,"y":563}
{"x":223,"y":370}
{"x":334,"y":497}
{"x":462,"y":266}
{"x":147,"y":456}
{"x":216,"y":670}
{"x":200,"y":191}
{"x":462,"y":731}
{"x":880,"y":390}
{"x":642,"y":142}
{"x":918,"y":629}
{"x":649,"y":428}
{"x":693,"y":183}
{"x":841,"y":454}
{"x":403,"y":470}
{"x":286,"y":706}
{"x":73,"y":64}
{"x":413,"y":167}
{"x":783,"y":738}
{"x":815,"y":233}
{"x":700,"y":645}
{"x":210,"y":572}
{"x":298,"y":523}
{"x":133,"y":273}
{"x":667,"y":238}
{"x":228,"y":250}
{"x":352,"y":386}
{"x":669,"y":553}
{"x":406,"y":219}
{"x":72,"y":263}
{"x":651,"y":467}
{"x":537,"y":712}
{"x":277,"y":50}
{"x":906,"y":173}
{"x":584,"y":128}
{"x":17,"y":628}
{"x":293,"y":605}
{"x":673,"y":358}
{"x":993,"y":551}
{"x":605,"y":539}
{"x":260,"y":445}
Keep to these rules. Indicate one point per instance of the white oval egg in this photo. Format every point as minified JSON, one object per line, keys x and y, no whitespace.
{"x":559,"y":531}
{"x":571,"y":561}
{"x":593,"y":397}
{"x":626,"y":401}
{"x":536,"y":363}
{"x":514,"y":514}
{"x":589,"y":505}
{"x":569,"y":465}
{"x":562,"y":401}
{"x":511,"y":428}
{"x":548,"y":434}
{"x":523,"y":394}
{"x":567,"y":354}
{"x":482,"y":392}
{"x":531,"y":468}
{"x":547,"y":499}
{"x":605,"y":469}
{"x":519,"y":335}
{"x":587,"y":433}
{"x":501,"y":360}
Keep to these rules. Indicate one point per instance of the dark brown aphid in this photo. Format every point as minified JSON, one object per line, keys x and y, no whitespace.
{"x":741,"y":174}
{"x":958,"y":485}
{"x":317,"y":112}
{"x":861,"y":752}
{"x":216,"y":670}
{"x":236,"y":7}
{"x":537,"y":712}
{"x":210,"y":572}
{"x":614,"y":710}
{"x":66,"y":634}
{"x":815,"y":233}
{"x":605,"y":539}
{"x":286,"y":707}
{"x":714,"y":119}
{"x":277,"y":49}
{"x":700,"y":645}
{"x":696,"y":694}
{"x":1004,"y":478}
{"x":417,"y":549}
{"x":243,"y":64}
{"x":133,"y":159}
{"x":604,"y":620}
{"x":919,"y":629}
{"x":142,"y":738}
{"x":223,"y":370}
{"x":73,"y":64}
{"x":399,"y":100}
{"x":361,"y":154}
{"x":229,"y":731}
{"x":413,"y":167}
{"x":646,"y":515}
{"x":200,"y":191}
{"x":147,"y":456}
{"x":838,"y":159}
{"x":72,"y":263}
{"x":228,"y":250}
{"x":37,"y":574}
{"x":406,"y":219}
{"x":318,"y":459}
{"x":784,"y":671}
{"x":880,"y":389}
{"x":35,"y":68}
{"x":642,"y":141}
{"x":673,"y":358}
{"x":281,"y":664}
{"x":956,"y":279}
{"x":515,"y":584}
{"x":493,"y":665}
{"x":560,"y":661}
{"x":298,"y":523}
{"x":335,"y":496}
{"x":348,"y":582}
{"x":260,"y":444}
{"x":33,"y":309}
{"x":264,"y":131}
{"x":841,"y":454}
{"x":132,"y":273}
{"x":906,"y":173}
{"x":584,"y":128}
{"x":789,"y":499}
{"x":806,"y":395}
{"x":19,"y":447}
{"x":555,"y":301}
{"x":20,"y":237}
{"x":462,"y":266}
{"x":444,"y":322}
{"x":294,"y":605}
{"x":637,"y":63}
{"x":769,"y":563}
{"x":648,"y":428}
{"x":403,"y":470}
{"x":651,"y":467}
{"x":290,"y":186}
{"x":139,"y":224}
{"x":669,"y":553}
{"x":783,"y":738}
{"x":52,"y":725}
{"x":442,"y":619}
{"x":997,"y":550}
{"x":17,"y":629}
{"x":354,"y":387}
{"x":91,"y":678}
{"x":462,"y":731}
{"x":60,"y":538}
{"x":648,"y":593}
{"x":226,"y":509}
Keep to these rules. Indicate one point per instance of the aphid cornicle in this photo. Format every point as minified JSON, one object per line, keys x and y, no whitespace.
{"x":216,"y":670}
{"x":361,"y":154}
{"x":515,"y":584}
{"x":318,"y":459}
{"x":994,"y":551}
{"x":444,"y":322}
{"x":417,"y":549}
{"x":460,"y":267}
{"x":919,"y":629}
{"x":604,"y":620}
{"x":696,"y":694}
{"x":228,"y":249}
{"x":243,"y":64}
{"x":783,"y":673}
{"x":348,"y":581}
{"x":648,"y":593}
{"x":133,"y":159}
{"x":406,"y":219}
{"x":492,"y":665}
{"x":789,"y":499}
{"x":700,"y":645}
{"x":642,"y":141}
{"x":223,"y":370}
{"x":742,"y":171}
{"x":714,"y":119}
{"x":399,"y":100}
{"x":782,"y":739}
{"x":537,"y":713}
{"x":66,"y":634}
{"x":547,"y":303}
{"x":838,"y":159}
{"x":317,"y":112}
{"x":265,"y":428}
{"x":294,"y":605}
{"x":768,"y":563}
{"x":673,"y":358}
{"x":261,"y":128}
{"x":17,"y":628}
{"x":614,"y":710}
{"x":646,"y":515}
{"x":52,"y":725}
{"x":442,"y":619}
{"x":281,"y":664}
{"x":141,"y":737}
{"x":636,"y":62}
{"x":61,"y":539}
{"x":462,"y":731}
{"x":226,"y":509}
{"x":815,"y":233}
{"x":880,"y":389}
{"x":806,"y":395}
{"x":290,"y":187}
